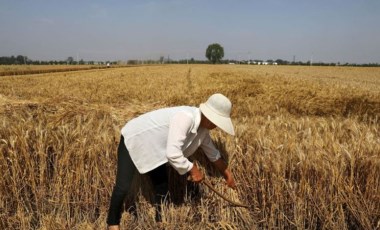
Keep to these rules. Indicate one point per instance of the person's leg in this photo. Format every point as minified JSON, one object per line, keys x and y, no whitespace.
{"x":124,"y":177}
{"x":159,"y":179}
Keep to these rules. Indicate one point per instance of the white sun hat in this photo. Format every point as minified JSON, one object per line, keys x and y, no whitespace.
{"x":218,"y":109}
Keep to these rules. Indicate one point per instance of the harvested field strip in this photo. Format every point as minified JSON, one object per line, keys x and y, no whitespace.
{"x":29,"y":70}
{"x":6,"y":71}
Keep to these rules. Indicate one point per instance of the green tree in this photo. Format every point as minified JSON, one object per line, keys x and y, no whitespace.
{"x":70,"y":60}
{"x":21,"y":59}
{"x":214,"y":53}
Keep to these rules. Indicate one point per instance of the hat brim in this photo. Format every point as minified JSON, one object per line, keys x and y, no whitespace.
{"x":222,"y":122}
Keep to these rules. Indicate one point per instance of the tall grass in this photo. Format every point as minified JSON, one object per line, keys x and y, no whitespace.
{"x":306,"y":154}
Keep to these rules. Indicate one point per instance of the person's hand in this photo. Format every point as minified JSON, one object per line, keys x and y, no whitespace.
{"x":229,"y":179}
{"x":222,"y":167}
{"x":195,"y":174}
{"x":230,"y":182}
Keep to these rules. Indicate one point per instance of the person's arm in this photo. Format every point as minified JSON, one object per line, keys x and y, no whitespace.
{"x":214,"y":156}
{"x":179,"y":126}
{"x":223,"y":169}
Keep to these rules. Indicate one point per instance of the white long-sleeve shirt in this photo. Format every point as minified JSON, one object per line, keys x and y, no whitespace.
{"x":167,"y":135}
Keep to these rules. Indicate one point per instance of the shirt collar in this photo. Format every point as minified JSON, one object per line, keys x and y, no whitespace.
{"x":197,"y":120}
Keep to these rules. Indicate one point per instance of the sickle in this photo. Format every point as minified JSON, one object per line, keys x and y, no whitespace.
{"x":224,"y":197}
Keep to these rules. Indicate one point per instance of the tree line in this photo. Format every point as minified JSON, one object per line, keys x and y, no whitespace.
{"x":24,"y":60}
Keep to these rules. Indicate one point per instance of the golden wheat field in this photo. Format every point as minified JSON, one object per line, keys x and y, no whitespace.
{"x":306,"y":154}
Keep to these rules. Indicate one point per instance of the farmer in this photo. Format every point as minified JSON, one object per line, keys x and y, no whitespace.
{"x":168,"y":135}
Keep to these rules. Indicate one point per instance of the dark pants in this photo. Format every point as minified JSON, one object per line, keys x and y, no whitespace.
{"x":124,"y":176}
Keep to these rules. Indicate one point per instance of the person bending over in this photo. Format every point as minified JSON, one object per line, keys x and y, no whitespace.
{"x":168,"y":135}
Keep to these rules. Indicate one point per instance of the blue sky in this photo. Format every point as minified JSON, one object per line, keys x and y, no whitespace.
{"x":323,"y":30}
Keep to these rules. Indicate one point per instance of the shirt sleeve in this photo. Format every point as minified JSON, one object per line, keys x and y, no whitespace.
{"x":179,"y":127}
{"x":209,"y":149}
